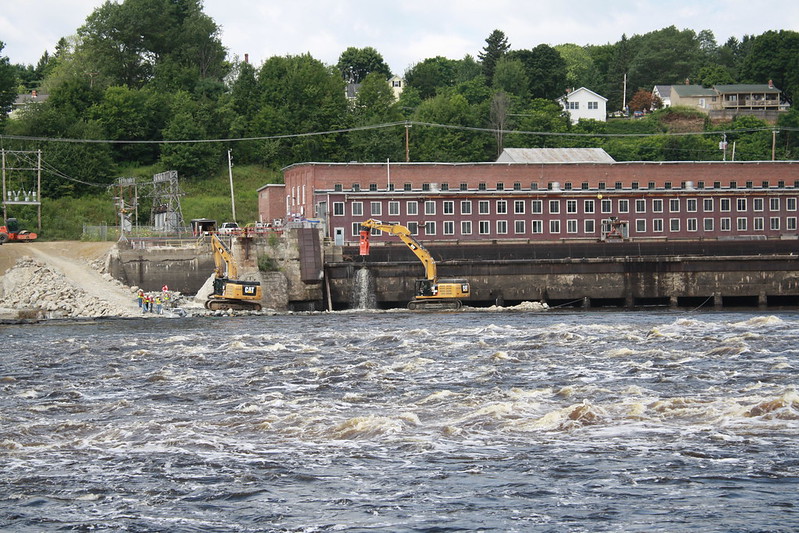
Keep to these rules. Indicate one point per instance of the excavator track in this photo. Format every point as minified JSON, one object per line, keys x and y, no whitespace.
{"x":222,"y":304}
{"x":434,"y":305}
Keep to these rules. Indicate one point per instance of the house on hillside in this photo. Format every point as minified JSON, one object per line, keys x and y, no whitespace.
{"x":664,"y":93}
{"x":726,"y":101}
{"x":395,"y":82}
{"x":584,"y":104}
{"x":24,"y":100}
{"x":694,"y":96}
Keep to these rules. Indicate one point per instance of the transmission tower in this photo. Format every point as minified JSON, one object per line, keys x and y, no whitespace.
{"x":22,"y":180}
{"x":166,"y":213}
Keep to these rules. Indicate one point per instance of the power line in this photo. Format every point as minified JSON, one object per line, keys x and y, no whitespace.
{"x":389,"y":125}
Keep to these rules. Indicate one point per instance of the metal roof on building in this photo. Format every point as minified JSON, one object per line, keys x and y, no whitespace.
{"x":747,"y":88}
{"x":554,"y":155}
{"x":693,"y":90}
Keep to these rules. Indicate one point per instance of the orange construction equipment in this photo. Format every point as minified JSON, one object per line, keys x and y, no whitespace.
{"x":12,"y":233}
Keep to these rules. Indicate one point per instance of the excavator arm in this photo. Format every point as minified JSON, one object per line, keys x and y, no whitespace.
{"x":223,"y":259}
{"x":405,"y":236}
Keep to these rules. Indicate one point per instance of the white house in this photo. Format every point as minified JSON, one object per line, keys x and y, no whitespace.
{"x":664,"y":93}
{"x":397,"y":84}
{"x":584,"y":103}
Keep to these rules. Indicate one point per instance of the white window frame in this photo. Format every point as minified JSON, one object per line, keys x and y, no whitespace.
{"x":571,"y":225}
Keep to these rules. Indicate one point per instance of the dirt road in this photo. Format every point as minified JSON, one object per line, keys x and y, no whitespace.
{"x":73,"y":259}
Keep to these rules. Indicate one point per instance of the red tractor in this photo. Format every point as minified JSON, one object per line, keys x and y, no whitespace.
{"x":12,"y":232}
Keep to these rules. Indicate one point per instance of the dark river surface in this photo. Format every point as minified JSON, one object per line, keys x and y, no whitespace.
{"x":400,"y":421}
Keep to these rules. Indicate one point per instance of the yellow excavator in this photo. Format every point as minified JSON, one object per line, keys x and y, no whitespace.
{"x":230,"y":293}
{"x":430,"y":292}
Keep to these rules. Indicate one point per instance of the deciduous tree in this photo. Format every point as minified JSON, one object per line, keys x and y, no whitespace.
{"x":357,"y":63}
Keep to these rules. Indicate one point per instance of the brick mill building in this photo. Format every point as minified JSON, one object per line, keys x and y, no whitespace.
{"x":543,"y":195}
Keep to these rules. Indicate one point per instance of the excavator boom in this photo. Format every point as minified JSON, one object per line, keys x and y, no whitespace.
{"x":431,"y":293}
{"x":405,"y":236}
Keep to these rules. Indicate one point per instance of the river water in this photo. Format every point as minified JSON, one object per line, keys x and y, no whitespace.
{"x":400,"y":421}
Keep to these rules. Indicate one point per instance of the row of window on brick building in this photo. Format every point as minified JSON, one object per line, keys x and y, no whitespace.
{"x":589,"y":227}
{"x":557,"y":206}
{"x":568,"y":186}
{"x":747,"y":210}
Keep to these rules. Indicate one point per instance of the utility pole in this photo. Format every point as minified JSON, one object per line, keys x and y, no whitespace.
{"x":774,"y":144}
{"x":407,"y":145}
{"x":230,"y":173}
{"x":624,"y":95}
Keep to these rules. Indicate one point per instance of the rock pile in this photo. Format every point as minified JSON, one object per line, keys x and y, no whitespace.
{"x":33,"y":286}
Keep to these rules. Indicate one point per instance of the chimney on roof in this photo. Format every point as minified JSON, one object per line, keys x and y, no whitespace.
{"x":246,"y":58}
{"x":770,"y":84}
{"x":687,"y":81}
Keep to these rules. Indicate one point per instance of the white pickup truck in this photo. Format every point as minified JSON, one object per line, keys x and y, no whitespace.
{"x":229,"y":228}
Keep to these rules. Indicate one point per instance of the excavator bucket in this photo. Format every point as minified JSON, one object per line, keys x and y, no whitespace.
{"x":364,"y":244}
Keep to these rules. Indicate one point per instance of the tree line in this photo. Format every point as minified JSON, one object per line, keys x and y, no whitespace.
{"x":148,"y":75}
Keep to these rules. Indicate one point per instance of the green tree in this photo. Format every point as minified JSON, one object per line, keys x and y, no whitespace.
{"x":299,"y":94}
{"x":714,"y":75}
{"x":545,"y":70}
{"x":431,"y":74}
{"x":496,"y":47}
{"x":188,"y":123}
{"x":510,"y":77}
{"x":136,"y":41}
{"x":375,"y":105}
{"x":133,"y":115}
{"x":8,"y":85}
{"x":444,"y":144}
{"x":357,"y":63}
{"x":618,"y":68}
{"x":580,"y":68}
{"x":539,"y":115}
{"x":774,"y":55}
{"x":666,"y":56}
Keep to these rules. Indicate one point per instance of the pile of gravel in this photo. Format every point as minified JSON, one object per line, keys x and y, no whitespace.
{"x":33,"y":288}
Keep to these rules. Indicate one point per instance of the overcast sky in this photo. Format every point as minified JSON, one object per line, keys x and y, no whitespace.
{"x":408,"y":31}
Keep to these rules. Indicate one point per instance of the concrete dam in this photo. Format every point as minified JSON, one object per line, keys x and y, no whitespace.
{"x":305,"y":273}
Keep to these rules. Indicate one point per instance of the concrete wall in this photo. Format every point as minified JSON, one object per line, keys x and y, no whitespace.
{"x":614,"y":281}
{"x":182,"y":269}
